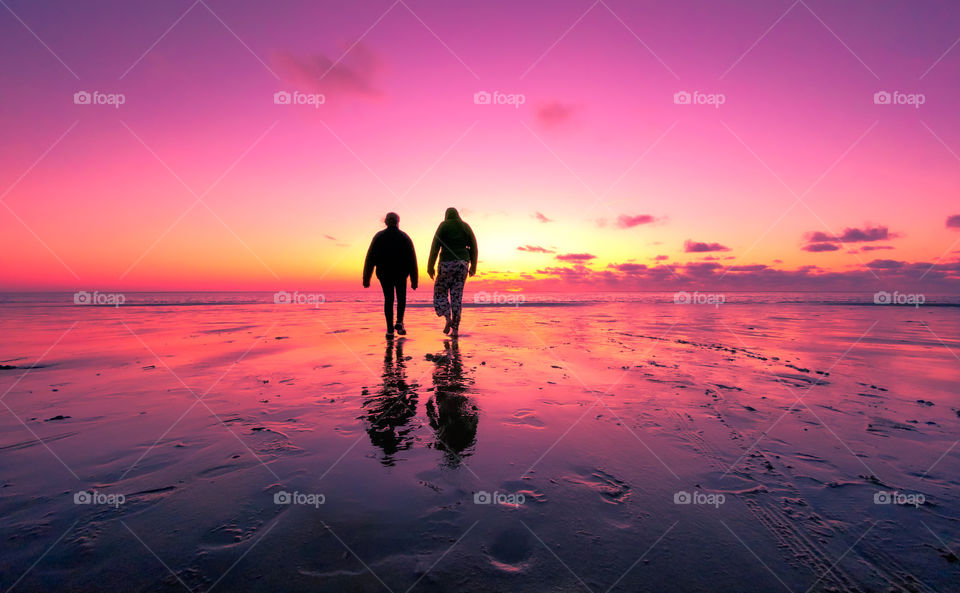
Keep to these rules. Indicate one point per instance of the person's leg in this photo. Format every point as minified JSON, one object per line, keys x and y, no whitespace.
{"x":457,"y":280}
{"x":387,"y":286}
{"x":400,"y":286}
{"x":441,"y":295}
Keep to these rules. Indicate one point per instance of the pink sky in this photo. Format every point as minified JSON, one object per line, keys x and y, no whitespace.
{"x":290,"y":194}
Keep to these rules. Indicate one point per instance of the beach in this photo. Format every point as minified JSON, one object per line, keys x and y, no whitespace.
{"x":614,"y":444}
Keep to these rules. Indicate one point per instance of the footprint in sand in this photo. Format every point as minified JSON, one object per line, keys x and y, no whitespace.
{"x":526,"y":418}
{"x":611,"y":489}
{"x":510,"y":551}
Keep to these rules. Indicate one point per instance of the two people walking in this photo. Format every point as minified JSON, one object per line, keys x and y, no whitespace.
{"x":394,"y":258}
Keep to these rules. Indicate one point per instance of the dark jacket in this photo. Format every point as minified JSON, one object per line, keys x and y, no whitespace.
{"x":454,"y":240}
{"x":391,"y":252}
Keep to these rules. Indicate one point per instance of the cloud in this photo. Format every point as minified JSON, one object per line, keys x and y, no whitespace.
{"x":554,"y":114}
{"x":535,"y":249}
{"x":627,"y":222}
{"x":354,"y":74}
{"x":576,"y":257}
{"x":661,"y":258}
{"x":818,"y":247}
{"x":853,"y":235}
{"x":876,"y":247}
{"x":542,"y":217}
{"x":697,"y":247}
{"x":629,"y":268}
{"x":331,"y":238}
{"x":885,"y":264}
{"x":953,"y":222}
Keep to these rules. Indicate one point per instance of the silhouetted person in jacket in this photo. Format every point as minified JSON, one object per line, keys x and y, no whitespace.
{"x":392,"y":254}
{"x":456,"y":244}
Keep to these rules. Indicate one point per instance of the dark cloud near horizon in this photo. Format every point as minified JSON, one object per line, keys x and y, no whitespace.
{"x":953,"y":222}
{"x":690,"y":246}
{"x":576,"y":257}
{"x":853,"y":235}
{"x":820,"y":247}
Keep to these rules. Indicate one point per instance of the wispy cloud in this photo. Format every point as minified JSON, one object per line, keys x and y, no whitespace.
{"x":354,"y":74}
{"x":554,"y":114}
{"x":535,"y":249}
{"x":576,"y":257}
{"x":953,"y":222}
{"x":625,"y":221}
{"x":541,"y":217}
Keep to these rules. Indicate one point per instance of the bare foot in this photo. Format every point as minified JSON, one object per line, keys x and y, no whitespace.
{"x":446,"y":328}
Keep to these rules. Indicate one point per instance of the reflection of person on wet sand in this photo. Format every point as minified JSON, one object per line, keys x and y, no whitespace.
{"x":390,"y":411}
{"x":452,"y":413}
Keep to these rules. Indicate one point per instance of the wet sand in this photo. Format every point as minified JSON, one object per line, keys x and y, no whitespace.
{"x":621,"y":446}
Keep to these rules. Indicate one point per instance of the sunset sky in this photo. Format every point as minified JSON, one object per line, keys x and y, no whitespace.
{"x":598,"y":180}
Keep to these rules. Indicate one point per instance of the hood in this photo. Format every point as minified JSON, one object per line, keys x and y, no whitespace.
{"x":451,"y":214}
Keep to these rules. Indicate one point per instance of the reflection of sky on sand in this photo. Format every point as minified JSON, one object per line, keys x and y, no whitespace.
{"x":598,"y":415}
